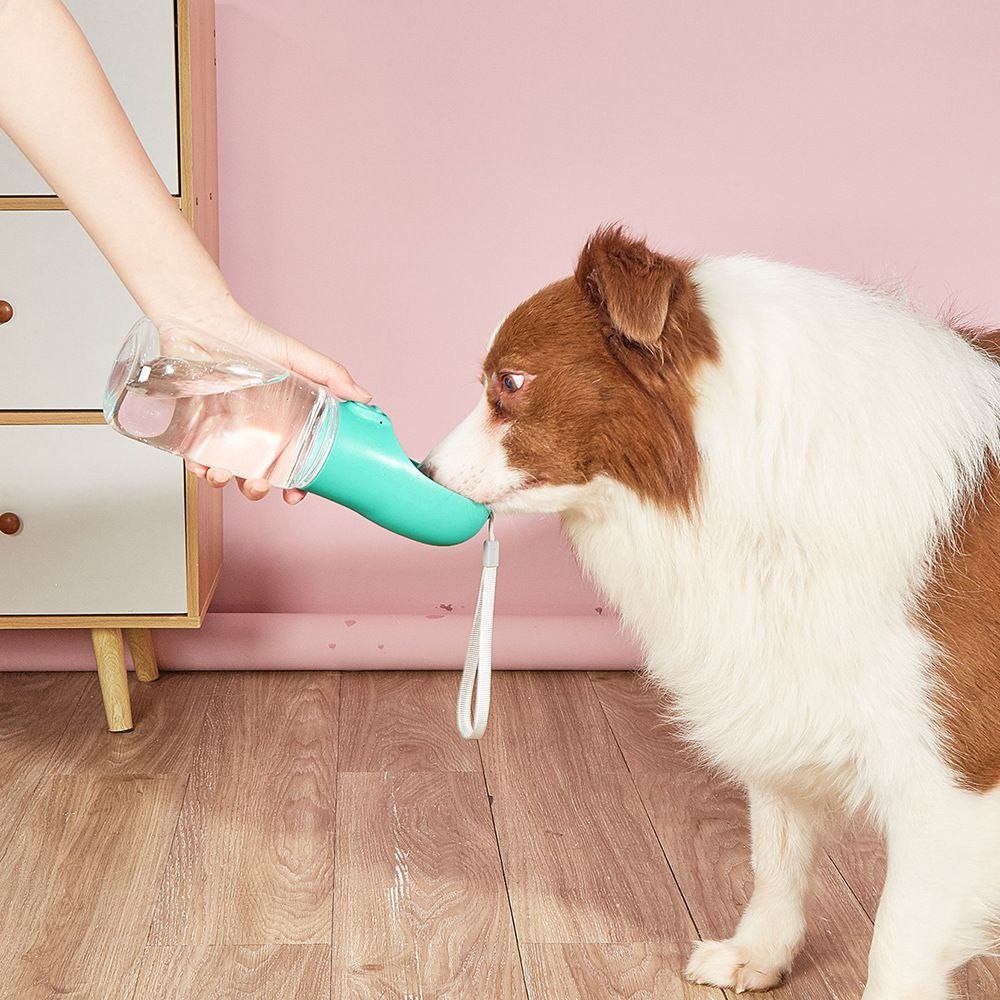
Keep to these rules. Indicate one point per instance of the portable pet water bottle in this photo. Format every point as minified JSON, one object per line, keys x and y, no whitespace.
{"x":218,"y":405}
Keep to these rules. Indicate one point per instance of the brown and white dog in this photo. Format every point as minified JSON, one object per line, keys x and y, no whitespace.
{"x":787,"y":485}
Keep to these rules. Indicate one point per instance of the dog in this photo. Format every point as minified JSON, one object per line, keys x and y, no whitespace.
{"x":787,"y":485}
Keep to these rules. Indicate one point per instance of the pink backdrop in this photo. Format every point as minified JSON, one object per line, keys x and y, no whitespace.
{"x":395,"y":176}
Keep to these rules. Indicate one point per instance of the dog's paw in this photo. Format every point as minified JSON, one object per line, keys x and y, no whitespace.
{"x":731,"y":966}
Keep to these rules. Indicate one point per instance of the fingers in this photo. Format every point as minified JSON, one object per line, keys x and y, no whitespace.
{"x":343,"y":385}
{"x":326,"y":371}
{"x":218,"y":477}
{"x":254,"y":489}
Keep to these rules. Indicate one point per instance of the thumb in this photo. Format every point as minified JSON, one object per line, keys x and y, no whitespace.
{"x":326,"y":371}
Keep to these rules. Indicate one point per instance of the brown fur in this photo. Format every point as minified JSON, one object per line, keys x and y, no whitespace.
{"x":613,"y":352}
{"x":983,"y":338}
{"x":961,"y":605}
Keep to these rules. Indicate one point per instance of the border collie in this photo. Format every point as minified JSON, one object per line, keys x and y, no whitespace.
{"x":788,"y":486}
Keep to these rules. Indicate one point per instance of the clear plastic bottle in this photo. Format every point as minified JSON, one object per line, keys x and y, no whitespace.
{"x":215,"y":404}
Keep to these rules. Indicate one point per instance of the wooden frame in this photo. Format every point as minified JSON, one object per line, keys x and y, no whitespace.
{"x":196,"y":112}
{"x":37,"y":203}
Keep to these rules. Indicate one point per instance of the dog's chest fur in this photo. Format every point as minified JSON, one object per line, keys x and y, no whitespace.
{"x":766,"y":695}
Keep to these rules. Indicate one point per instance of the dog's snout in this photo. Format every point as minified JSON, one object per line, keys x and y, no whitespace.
{"x":429,"y":469}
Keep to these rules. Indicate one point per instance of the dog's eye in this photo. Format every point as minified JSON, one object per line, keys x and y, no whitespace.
{"x":511,"y":381}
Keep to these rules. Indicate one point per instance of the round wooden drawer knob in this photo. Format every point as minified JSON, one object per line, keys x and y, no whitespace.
{"x":10,"y":524}
{"x":6,"y":311}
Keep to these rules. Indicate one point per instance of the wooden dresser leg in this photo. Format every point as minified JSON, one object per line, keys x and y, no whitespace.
{"x":140,"y":645}
{"x":110,"y":653}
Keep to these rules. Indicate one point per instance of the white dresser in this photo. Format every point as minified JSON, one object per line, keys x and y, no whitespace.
{"x":96,"y":531}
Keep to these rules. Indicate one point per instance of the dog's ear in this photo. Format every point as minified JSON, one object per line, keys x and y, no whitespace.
{"x":631,"y":285}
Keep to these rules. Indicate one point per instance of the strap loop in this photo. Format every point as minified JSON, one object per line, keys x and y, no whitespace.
{"x":477,"y":672}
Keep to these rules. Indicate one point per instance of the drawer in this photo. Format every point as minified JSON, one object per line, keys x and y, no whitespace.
{"x":71,"y":314}
{"x":102,"y":524}
{"x":135,"y":41}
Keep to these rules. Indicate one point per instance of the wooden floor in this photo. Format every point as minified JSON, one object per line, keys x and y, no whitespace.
{"x":307,"y":835}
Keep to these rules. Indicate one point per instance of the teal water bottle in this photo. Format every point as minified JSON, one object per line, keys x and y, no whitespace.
{"x":217,"y":405}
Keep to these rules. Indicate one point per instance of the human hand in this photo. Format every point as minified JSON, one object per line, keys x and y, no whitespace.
{"x":248,"y":332}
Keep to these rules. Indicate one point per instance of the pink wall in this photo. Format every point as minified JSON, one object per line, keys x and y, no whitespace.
{"x":395,"y":176}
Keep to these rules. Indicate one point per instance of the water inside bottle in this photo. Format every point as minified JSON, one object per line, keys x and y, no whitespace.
{"x":232,"y":413}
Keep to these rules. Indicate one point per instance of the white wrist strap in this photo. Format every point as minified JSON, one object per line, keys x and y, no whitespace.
{"x":479,"y":657}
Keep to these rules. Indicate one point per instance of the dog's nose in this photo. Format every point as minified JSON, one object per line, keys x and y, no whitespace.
{"x":428,"y":469}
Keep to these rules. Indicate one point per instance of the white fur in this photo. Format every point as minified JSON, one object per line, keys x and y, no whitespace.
{"x":839,"y":438}
{"x":490,"y":478}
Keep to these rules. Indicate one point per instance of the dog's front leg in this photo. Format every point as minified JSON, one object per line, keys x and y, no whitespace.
{"x":939,"y":894}
{"x":771,"y":930}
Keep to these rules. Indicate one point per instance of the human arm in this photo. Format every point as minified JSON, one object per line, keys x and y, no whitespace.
{"x":58,"y":107}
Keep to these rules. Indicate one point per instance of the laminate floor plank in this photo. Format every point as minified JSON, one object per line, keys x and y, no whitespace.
{"x":421,"y":909}
{"x":80,"y":878}
{"x":310,"y":835}
{"x":607,"y":972}
{"x":168,"y":715}
{"x":252,"y":858}
{"x":978,"y":980}
{"x":403,"y":722}
{"x":858,"y":852}
{"x":591,"y":893}
{"x":35,"y":710}
{"x":235,"y":972}
{"x":548,"y":721}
